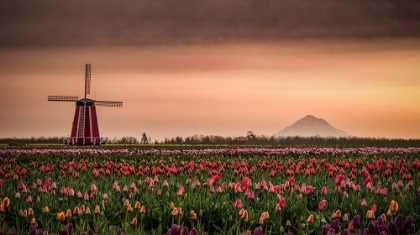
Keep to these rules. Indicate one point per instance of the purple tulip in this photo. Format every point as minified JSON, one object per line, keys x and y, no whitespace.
{"x":90,"y":232}
{"x":371,"y":228}
{"x":346,"y":232}
{"x":365,"y":231}
{"x":12,"y":233}
{"x":356,"y":222}
{"x":175,"y":230}
{"x":185,"y":231}
{"x":69,"y":228}
{"x":119,"y":231}
{"x":289,"y":233}
{"x":392,"y":227}
{"x":380,"y":221}
{"x":83,"y":233}
{"x":325,"y":229}
{"x":1,"y":232}
{"x":412,"y":229}
{"x":64,"y":232}
{"x":408,"y":222}
{"x":383,"y":233}
{"x":336,"y":225}
{"x":193,"y":232}
{"x":32,"y":230}
{"x":383,"y":228}
{"x":205,"y":233}
{"x":399,"y":221}
{"x":258,"y":231}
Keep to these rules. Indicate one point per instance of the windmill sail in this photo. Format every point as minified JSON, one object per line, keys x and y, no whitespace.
{"x":87,"y":79}
{"x":62,"y":98}
{"x":109,"y":103}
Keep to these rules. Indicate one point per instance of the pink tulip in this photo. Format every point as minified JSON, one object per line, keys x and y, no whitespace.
{"x":246,"y":182}
{"x":165,"y":183}
{"x":278,"y":207}
{"x":238,"y":204}
{"x":364,"y":203}
{"x":373,"y":208}
{"x":181,"y":191}
{"x":251,"y":195}
{"x":324,"y":190}
{"x":86,"y":197}
{"x":309,"y":189}
{"x":17,"y":195}
{"x":29,"y":198}
{"x":321,"y":205}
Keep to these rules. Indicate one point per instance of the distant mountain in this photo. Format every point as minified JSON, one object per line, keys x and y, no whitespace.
{"x":312,"y":126}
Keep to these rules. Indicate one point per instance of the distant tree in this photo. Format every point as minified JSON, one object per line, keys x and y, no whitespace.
{"x":144,"y":139}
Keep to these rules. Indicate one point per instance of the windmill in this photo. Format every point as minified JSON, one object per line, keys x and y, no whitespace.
{"x":85,"y":129}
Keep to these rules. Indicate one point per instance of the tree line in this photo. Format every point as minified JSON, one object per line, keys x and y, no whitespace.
{"x":249,"y":139}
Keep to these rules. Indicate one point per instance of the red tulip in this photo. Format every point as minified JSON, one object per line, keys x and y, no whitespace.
{"x":338,"y":179}
{"x":282,"y":202}
{"x":321,"y":205}
{"x":214,"y":179}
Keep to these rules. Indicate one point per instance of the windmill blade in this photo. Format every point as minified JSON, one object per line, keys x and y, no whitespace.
{"x":87,"y":80}
{"x":62,"y":98}
{"x":109,"y":103}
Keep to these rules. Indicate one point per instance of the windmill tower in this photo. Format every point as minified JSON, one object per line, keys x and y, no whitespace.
{"x":85,"y":129}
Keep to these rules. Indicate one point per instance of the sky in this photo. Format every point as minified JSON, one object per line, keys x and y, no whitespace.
{"x":211,"y":67}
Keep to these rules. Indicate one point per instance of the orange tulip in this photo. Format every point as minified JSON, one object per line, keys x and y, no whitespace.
{"x":88,"y":211}
{"x":97,"y":209}
{"x":370,"y":214}
{"x":143,"y":210}
{"x":264,"y":216}
{"x":134,"y":222}
{"x":68,"y":213}
{"x":137,"y":205}
{"x":310,"y":219}
{"x":76,"y":211}
{"x":393,"y":206}
{"x":174,"y":212}
{"x":244,"y":215}
{"x":25,"y":213}
{"x":345,"y":217}
{"x":126,"y":203}
{"x":6,"y":202}
{"x":46,"y":210}
{"x":82,"y":208}
{"x":193,"y":215}
{"x":2,"y":208}
{"x":61,"y":216}
{"x":350,"y":225}
{"x":31,"y":212}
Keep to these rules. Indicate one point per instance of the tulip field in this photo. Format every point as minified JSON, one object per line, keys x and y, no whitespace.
{"x":230,"y":191}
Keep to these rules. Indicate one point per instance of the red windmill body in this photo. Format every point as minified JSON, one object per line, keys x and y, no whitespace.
{"x":85,"y":129}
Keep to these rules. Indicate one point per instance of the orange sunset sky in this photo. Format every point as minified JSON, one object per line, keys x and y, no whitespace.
{"x":211,"y":67}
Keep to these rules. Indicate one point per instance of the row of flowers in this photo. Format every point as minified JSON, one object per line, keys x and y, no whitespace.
{"x":207,"y":193}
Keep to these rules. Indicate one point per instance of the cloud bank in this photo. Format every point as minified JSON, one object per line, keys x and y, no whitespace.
{"x":110,"y":23}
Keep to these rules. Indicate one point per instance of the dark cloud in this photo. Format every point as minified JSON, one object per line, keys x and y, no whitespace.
{"x":79,"y":23}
